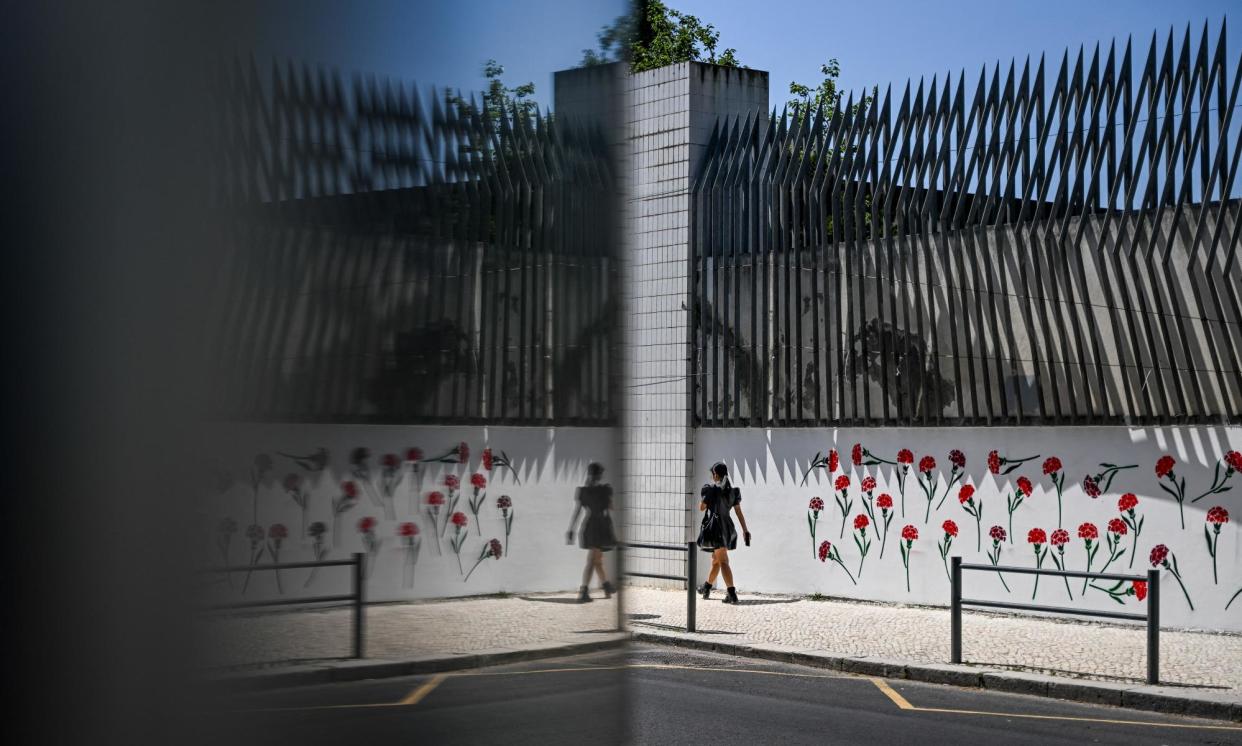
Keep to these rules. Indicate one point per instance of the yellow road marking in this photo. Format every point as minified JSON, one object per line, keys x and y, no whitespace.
{"x":904,"y":704}
{"x":892,"y":694}
{"x":417,"y":695}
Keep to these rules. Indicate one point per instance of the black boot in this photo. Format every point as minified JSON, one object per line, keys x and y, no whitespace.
{"x":583,"y":596}
{"x":730,"y":595}
{"x":705,"y":590}
{"x":609,"y":589}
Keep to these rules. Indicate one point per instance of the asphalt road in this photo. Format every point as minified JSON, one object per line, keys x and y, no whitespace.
{"x":657,"y":695}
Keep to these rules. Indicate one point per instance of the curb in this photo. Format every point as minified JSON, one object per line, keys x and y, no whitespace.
{"x":358,"y":670}
{"x":1162,"y":699}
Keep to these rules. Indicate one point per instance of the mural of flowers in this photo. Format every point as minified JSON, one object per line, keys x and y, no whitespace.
{"x":862,"y":457}
{"x":224,"y":538}
{"x":1216,"y":517}
{"x":812,"y":518}
{"x":391,"y":473}
{"x":370,"y":542}
{"x":505,"y":503}
{"x":451,"y":484}
{"x":1229,"y":463}
{"x":867,"y":486}
{"x":1127,"y":504}
{"x":1117,"y":528}
{"x":1089,"y":533}
{"x":258,"y":475}
{"x":492,"y":461}
{"x":966,"y":498}
{"x":927,"y":482}
{"x":885,"y":503}
{"x":458,"y":454}
{"x":459,"y":521}
{"x":1095,"y":484}
{"x":957,"y":459}
{"x":1162,"y":557}
{"x":478,"y":483}
{"x":408,"y":533}
{"x":1060,"y":537}
{"x":828,"y":552}
{"x":1052,"y":470}
{"x":908,"y":536}
{"x":361,"y":471}
{"x":301,"y":497}
{"x":1175,"y":487}
{"x":905,"y":458}
{"x":435,"y":502}
{"x":491,"y":549}
{"x":827,"y":461}
{"x":1001,"y":465}
{"x":998,"y":535}
{"x":1037,"y":538}
{"x":1021,"y":491}
{"x":319,"y":550}
{"x":1121,"y":591}
{"x":950,"y":532}
{"x":276,"y":534}
{"x":347,"y":500}
{"x":861,"y":540}
{"x":844,"y":502}
{"x":414,"y":457}
{"x":255,"y":533}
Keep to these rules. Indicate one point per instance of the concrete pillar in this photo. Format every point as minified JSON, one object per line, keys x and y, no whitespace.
{"x":661,"y":121}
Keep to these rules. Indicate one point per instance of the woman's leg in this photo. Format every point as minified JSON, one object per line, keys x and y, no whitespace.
{"x":719,"y":558}
{"x":725,"y":570}
{"x":590,"y":567}
{"x":597,"y":558}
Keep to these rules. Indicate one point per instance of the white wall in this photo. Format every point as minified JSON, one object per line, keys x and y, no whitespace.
{"x":768,"y":466}
{"x":550,"y":463}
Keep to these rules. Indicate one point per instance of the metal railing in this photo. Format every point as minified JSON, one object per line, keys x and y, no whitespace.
{"x":1152,"y":617}
{"x":356,"y":598}
{"x":691,"y":550}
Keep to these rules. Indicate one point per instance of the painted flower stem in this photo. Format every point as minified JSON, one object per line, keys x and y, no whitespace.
{"x":1233,"y":598}
{"x":1178,"y":577}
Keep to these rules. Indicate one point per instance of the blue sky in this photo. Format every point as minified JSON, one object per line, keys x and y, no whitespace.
{"x":877,"y":41}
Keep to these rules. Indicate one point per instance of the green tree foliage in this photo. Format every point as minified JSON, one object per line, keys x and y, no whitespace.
{"x":501,"y":99}
{"x":654,"y":35}
{"x":807,"y":100}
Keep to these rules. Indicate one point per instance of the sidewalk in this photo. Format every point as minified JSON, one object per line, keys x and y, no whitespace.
{"x":1081,"y":650}
{"x":426,"y":629}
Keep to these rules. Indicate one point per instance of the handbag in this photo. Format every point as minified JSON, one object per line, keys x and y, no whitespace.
{"x":709,"y":531}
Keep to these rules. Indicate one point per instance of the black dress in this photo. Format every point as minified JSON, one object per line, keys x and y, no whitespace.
{"x":717,"y":530}
{"x":597,"y":530}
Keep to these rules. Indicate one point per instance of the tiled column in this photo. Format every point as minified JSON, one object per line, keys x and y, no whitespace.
{"x":669,"y":114}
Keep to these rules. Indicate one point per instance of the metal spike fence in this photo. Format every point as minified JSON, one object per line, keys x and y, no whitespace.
{"x":393,"y":258}
{"x":1043,"y":244}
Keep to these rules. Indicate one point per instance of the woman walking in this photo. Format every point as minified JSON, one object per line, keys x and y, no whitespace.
{"x":597,"y":535}
{"x":717,"y":533}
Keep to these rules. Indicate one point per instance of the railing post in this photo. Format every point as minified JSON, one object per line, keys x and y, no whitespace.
{"x":1153,"y":627}
{"x":691,"y":575}
{"x":955,"y":611}
{"x":359,"y":592}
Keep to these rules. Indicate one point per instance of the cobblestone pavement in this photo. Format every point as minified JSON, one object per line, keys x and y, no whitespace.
{"x":921,"y":635}
{"x":395,"y":631}
{"x":840,"y":628}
